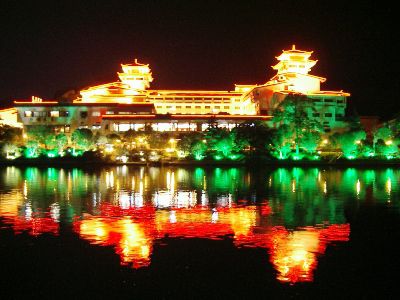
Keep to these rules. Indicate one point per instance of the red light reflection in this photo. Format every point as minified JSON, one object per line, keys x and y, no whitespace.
{"x":293,"y":253}
{"x":133,"y":231}
{"x":35,"y":225}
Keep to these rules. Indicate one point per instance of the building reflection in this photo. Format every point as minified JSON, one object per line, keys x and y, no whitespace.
{"x":132,"y":209}
{"x":293,"y":253}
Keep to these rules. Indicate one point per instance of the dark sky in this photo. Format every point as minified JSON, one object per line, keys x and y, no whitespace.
{"x":47,"y":47}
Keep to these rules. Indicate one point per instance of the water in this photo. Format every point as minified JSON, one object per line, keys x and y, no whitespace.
{"x":196,"y":232}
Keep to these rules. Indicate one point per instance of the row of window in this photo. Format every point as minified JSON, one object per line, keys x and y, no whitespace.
{"x":52,"y":113}
{"x":338,"y":116}
{"x":196,"y":107}
{"x":328,"y":100}
{"x":190,"y":98}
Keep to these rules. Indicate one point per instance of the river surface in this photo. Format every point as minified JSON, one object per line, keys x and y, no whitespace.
{"x":199,"y":233}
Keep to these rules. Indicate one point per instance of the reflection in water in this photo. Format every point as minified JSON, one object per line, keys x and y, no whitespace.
{"x":294,"y":214}
{"x":130,"y":240}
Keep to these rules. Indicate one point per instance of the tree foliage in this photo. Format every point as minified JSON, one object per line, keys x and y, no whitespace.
{"x":82,"y":138}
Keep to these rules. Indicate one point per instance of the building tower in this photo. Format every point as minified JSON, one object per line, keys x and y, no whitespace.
{"x":137,"y":76}
{"x":294,"y":61}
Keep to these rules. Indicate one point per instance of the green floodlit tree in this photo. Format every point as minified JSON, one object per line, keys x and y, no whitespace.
{"x":281,"y":141}
{"x":188,"y":145}
{"x":224,"y":143}
{"x":225,"y":146}
{"x":32,"y":149}
{"x":39,"y":133}
{"x":387,"y":150}
{"x":303,"y":131}
{"x":386,"y":141}
{"x":198,"y":150}
{"x":383,"y":133}
{"x":310,"y":141}
{"x":82,"y":138}
{"x":350,"y":142}
{"x":62,"y":141}
{"x":50,"y":141}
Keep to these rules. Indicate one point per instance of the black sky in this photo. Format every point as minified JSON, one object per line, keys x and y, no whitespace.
{"x":47,"y":47}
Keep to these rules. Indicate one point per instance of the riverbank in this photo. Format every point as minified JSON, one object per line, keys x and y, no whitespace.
{"x":83,"y":161}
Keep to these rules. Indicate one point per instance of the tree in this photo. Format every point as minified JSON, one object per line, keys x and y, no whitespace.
{"x":254,"y":134}
{"x":10,"y":134}
{"x":82,"y":138}
{"x":198,"y":150}
{"x":62,"y":141}
{"x":384,"y":142}
{"x":186,"y":143}
{"x":310,"y":141}
{"x":293,"y":112}
{"x":50,"y":141}
{"x":223,"y":142}
{"x":32,"y":149}
{"x":39,"y":133}
{"x":350,"y":142}
{"x":281,"y":142}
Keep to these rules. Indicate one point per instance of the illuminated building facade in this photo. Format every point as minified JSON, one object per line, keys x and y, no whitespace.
{"x":9,"y":116}
{"x":327,"y":107}
{"x":130,"y":104}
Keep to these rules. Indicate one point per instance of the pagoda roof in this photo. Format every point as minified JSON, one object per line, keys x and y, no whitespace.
{"x":297,"y":51}
{"x":135,"y":64}
{"x":293,"y":74}
{"x":110,"y":85}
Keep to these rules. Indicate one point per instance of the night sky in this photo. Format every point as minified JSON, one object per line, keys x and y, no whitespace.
{"x":50,"y":47}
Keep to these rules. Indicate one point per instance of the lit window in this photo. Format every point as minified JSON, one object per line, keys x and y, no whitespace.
{"x":40,"y":113}
{"x":96,"y":114}
{"x":109,"y":112}
{"x":124,"y":127}
{"x":28,"y":113}
{"x":54,"y":113}
{"x":67,"y":128}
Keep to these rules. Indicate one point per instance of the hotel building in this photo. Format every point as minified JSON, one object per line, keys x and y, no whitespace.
{"x":130,"y":103}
